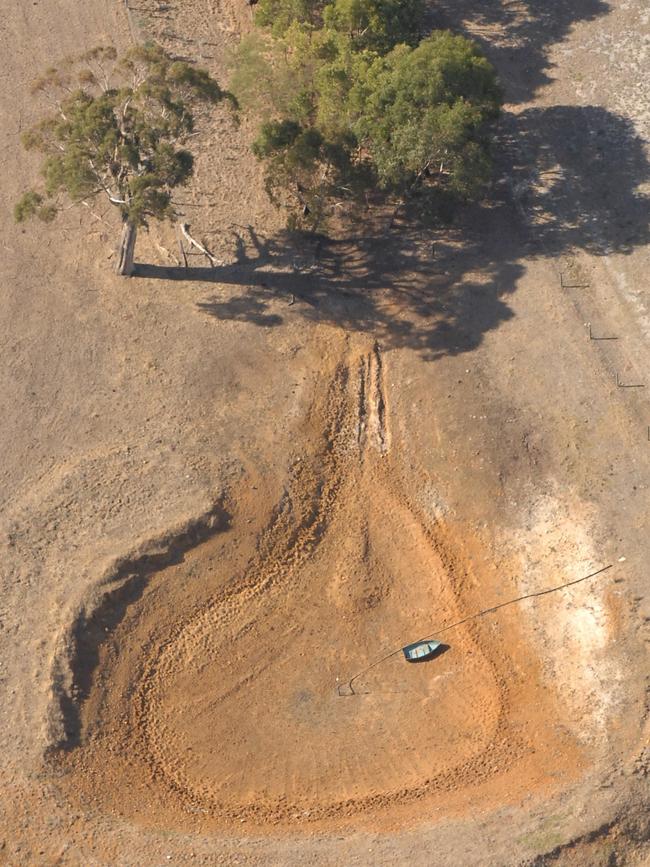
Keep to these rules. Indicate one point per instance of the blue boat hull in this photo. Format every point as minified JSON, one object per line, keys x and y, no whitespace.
{"x":421,"y":651}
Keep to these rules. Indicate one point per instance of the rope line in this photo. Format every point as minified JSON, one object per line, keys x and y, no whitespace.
{"x":465,"y":620}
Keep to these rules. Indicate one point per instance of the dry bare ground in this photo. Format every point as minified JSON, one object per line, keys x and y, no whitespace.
{"x":218,"y":505}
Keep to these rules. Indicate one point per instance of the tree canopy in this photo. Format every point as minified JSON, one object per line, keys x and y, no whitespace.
{"x":116,"y":130}
{"x":351,"y":99}
{"x":424,"y":108}
{"x":378,"y":24}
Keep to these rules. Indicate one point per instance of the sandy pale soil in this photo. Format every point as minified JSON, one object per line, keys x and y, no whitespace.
{"x":226,"y":491}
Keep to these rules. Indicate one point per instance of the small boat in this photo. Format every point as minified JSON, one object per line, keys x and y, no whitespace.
{"x":421,"y":650}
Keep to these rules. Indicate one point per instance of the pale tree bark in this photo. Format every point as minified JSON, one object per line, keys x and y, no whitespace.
{"x":185,"y":229}
{"x":124,"y":265}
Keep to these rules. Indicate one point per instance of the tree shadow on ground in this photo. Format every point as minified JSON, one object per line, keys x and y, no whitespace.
{"x":392,"y":285}
{"x":516,"y":35}
{"x":578,"y":171}
{"x":569,"y":180}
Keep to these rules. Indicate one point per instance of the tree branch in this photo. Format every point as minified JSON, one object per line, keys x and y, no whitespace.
{"x":111,"y":196}
{"x":193,"y":243}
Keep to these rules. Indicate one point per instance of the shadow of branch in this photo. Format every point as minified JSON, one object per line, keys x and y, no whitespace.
{"x":517,"y":36}
{"x":569,"y":179}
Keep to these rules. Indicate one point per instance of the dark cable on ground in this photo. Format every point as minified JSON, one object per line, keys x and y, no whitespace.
{"x":465,"y":620}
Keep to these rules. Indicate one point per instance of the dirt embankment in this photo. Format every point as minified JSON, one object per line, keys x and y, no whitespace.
{"x":220,"y":684}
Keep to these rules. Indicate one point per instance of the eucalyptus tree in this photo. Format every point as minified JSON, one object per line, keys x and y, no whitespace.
{"x":118,"y":128}
{"x":352,"y":98}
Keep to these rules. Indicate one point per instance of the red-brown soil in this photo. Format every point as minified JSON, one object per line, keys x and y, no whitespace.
{"x":217,"y":694}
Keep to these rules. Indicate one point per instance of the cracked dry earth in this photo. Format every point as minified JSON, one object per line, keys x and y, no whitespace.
{"x":218,"y":506}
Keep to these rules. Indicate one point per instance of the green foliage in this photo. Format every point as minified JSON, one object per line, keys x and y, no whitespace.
{"x":425,"y":109}
{"x":290,"y":153}
{"x":376,"y":24}
{"x":268,"y":79}
{"x":349,"y":100}
{"x":31,"y":204}
{"x":116,"y":130}
{"x":276,"y":136}
{"x":279,"y":15}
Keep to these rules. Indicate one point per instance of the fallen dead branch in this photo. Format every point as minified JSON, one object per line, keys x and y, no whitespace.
{"x":185,"y":229}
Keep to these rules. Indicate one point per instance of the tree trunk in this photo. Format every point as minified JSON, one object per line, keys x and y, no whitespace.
{"x":124,"y":265}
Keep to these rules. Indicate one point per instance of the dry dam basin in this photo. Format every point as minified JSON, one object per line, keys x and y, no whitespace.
{"x":325,"y":543}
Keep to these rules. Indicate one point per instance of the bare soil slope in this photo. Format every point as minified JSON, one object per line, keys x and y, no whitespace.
{"x":233,"y":711}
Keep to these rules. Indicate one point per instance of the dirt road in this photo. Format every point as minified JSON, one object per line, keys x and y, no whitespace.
{"x":216,"y":502}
